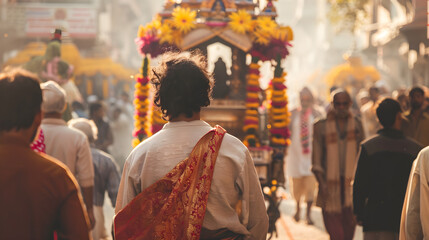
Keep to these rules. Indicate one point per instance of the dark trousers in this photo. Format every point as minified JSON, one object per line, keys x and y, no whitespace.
{"x":340,"y":226}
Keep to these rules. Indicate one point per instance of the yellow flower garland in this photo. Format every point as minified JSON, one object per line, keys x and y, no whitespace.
{"x":141,"y":102}
{"x":252,"y":95}
{"x":240,"y":22}
{"x":251,"y":117}
{"x":166,"y":34}
{"x":183,"y":19}
{"x":279,"y":117}
{"x":252,"y":105}
{"x":251,"y":114}
{"x":157,"y":120}
{"x":278,"y":110}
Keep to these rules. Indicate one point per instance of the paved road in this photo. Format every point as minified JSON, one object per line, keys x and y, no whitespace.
{"x":289,"y":229}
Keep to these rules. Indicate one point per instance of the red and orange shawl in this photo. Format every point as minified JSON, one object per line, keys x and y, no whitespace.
{"x":174,"y":207}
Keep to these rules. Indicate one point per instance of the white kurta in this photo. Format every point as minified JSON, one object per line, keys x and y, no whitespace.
{"x":415,"y":212}
{"x":234,"y":177}
{"x":298,"y":164}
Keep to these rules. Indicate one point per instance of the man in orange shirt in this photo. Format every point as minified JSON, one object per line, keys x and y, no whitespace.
{"x":40,"y":197}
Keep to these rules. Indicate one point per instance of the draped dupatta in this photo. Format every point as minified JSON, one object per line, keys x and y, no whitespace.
{"x":333,"y":201}
{"x":174,"y":207}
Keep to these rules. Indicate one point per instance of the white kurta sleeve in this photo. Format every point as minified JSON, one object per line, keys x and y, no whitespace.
{"x":254,"y":213}
{"x":424,"y":194}
{"x":413,"y":221}
{"x":126,"y":191}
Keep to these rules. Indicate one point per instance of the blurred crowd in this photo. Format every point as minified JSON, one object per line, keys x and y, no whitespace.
{"x":114,"y":121}
{"x":361,"y":152}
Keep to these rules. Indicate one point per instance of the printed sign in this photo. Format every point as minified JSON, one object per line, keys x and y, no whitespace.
{"x":78,"y":22}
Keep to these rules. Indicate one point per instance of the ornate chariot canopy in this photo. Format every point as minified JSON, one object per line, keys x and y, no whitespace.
{"x":243,"y":26}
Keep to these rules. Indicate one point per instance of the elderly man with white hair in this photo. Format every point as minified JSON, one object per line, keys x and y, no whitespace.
{"x":106,"y":176}
{"x":70,"y":146}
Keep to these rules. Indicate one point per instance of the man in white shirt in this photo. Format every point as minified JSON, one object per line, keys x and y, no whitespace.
{"x":298,"y":159}
{"x":235,"y":205}
{"x":70,"y":146}
{"x":415,"y":212}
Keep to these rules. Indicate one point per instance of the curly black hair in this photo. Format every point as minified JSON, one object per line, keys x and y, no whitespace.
{"x":182,"y":84}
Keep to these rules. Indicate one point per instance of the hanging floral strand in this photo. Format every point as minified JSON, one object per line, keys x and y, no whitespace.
{"x":251,"y":119}
{"x":141,"y":103}
{"x":278,"y":111}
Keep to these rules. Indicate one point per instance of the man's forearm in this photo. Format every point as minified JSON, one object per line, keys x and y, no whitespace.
{"x":319,"y":177}
{"x":88,"y":195}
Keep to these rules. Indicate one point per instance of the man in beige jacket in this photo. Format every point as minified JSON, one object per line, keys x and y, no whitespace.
{"x":68,"y":145}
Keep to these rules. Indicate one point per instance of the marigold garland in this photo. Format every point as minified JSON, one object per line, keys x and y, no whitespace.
{"x":141,"y":103}
{"x":183,"y":19}
{"x":240,"y":22}
{"x":264,"y":30}
{"x":157,"y":120}
{"x":166,"y":34}
{"x":278,"y":112}
{"x":251,"y":119}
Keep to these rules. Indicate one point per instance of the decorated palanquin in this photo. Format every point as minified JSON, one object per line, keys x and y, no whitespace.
{"x":258,"y":117}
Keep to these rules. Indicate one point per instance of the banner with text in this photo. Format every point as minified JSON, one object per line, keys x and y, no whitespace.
{"x":77,"y":22}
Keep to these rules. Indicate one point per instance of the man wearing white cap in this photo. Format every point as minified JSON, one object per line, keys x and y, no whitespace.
{"x":67,"y":145}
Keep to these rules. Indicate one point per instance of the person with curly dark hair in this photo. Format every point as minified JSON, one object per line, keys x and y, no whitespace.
{"x":189,"y":180}
{"x":182,"y":87}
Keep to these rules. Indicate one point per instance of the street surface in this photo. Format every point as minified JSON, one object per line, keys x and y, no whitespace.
{"x":287,"y":228}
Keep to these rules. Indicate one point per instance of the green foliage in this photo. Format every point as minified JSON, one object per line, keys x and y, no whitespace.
{"x":348,"y":15}
{"x":145,"y":66}
{"x":278,"y":70}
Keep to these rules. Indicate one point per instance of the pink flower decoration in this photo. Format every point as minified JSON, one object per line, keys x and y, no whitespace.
{"x":254,"y":71}
{"x":279,"y":104}
{"x":156,"y":128}
{"x":143,"y":80}
{"x":252,"y":100}
{"x":247,"y":122}
{"x":279,"y":86}
{"x":284,"y":132}
{"x":253,"y":89}
{"x":141,"y":98}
